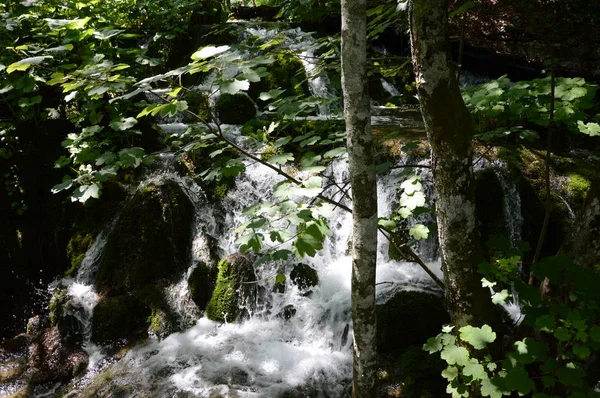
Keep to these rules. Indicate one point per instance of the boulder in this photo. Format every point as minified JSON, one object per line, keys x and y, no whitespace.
{"x":304,"y":276}
{"x":201,"y":283}
{"x":119,"y":318}
{"x":149,"y":242}
{"x":409,"y":318}
{"x":232,"y":295}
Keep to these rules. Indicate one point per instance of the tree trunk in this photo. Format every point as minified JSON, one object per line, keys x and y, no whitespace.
{"x":364,"y":195}
{"x":450,"y":130}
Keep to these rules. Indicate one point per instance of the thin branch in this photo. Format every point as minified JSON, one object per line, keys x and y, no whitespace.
{"x":324,"y":198}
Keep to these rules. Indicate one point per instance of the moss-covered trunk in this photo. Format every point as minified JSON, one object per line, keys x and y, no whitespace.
{"x":364,"y":195}
{"x":450,"y":130}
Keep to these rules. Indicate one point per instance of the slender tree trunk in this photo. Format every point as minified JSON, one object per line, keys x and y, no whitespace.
{"x":364,"y":195}
{"x":450,"y":130}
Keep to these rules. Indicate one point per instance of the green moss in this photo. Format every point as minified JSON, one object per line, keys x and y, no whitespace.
{"x":288,"y":73}
{"x":409,"y":318}
{"x":150,"y":241}
{"x":235,"y":109}
{"x":578,"y":187}
{"x":117,"y":318}
{"x":229,"y":292}
{"x":78,"y":245}
{"x":200,"y":284}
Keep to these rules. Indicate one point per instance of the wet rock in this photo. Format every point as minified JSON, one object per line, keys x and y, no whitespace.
{"x":50,"y":359}
{"x":232,"y":292}
{"x":408,"y":318}
{"x":118,"y":318}
{"x":61,"y":311}
{"x":304,"y":276}
{"x":287,"y":312}
{"x":150,"y":241}
{"x":201,"y":282}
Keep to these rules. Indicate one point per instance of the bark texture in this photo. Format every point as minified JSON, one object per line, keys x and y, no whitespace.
{"x":450,"y":130}
{"x":364,"y":195}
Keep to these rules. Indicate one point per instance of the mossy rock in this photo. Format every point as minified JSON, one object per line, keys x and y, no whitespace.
{"x":231,"y":293}
{"x":421,"y":374}
{"x":59,"y":312}
{"x":409,"y":318}
{"x":201,"y":282}
{"x":235,"y":108}
{"x":76,"y":248}
{"x":162,"y":321}
{"x":287,"y":73}
{"x":118,"y":318}
{"x":304,"y":276}
{"x":149,"y":242}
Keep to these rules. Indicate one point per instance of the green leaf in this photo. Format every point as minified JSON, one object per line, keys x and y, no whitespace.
{"x":545,"y":323}
{"x":479,"y":338}
{"x":518,"y":379}
{"x":312,"y":187}
{"x":419,"y":232}
{"x":281,"y":159}
{"x":306,"y":244}
{"x":85,"y":192}
{"x":283,"y":190}
{"x":280,"y":279}
{"x":411,"y":185}
{"x":234,"y":86}
{"x":462,"y":9}
{"x":581,"y":351}
{"x":24,"y":64}
{"x":131,"y":157}
{"x":450,"y":373}
{"x":486,"y":283}
{"x":500,"y":297}
{"x":250,"y":240}
{"x":433,"y":344}
{"x":208,"y":51}
{"x":123,"y":123}
{"x":489,"y":389}
{"x":454,"y":355}
{"x":562,"y":334}
{"x":334,"y":152}
{"x":387,"y":224}
{"x":233,"y":167}
{"x":591,"y":129}
{"x":383,"y":167}
{"x":106,"y":158}
{"x":282,"y":141}
{"x":570,"y":375}
{"x":411,"y":202}
{"x":475,"y":370}
{"x":66,"y":184}
{"x":281,"y":254}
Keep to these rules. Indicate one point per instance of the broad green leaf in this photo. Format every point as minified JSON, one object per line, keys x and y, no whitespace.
{"x":545,"y":323}
{"x":518,"y":379}
{"x":258,"y":223}
{"x":489,"y":389}
{"x":454,"y":355}
{"x":411,"y":202}
{"x":24,"y":64}
{"x":411,"y":185}
{"x":106,"y":158}
{"x":306,"y":244}
{"x":272,"y":94}
{"x":312,"y":187}
{"x":486,"y":283}
{"x":281,"y":254}
{"x":281,"y":159}
{"x":85,"y":192}
{"x":450,"y":373}
{"x":282,"y":141}
{"x":581,"y":351}
{"x":66,"y":184}
{"x":283,"y":190}
{"x":475,"y":370}
{"x":562,"y":334}
{"x":208,"y":51}
{"x":500,"y":297}
{"x":433,"y":344}
{"x":234,"y":87}
{"x":387,"y":224}
{"x":591,"y":129}
{"x":131,"y":157}
{"x":233,"y":167}
{"x":280,"y":279}
{"x":334,"y":152}
{"x":419,"y":232}
{"x":123,"y":123}
{"x":479,"y":338}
